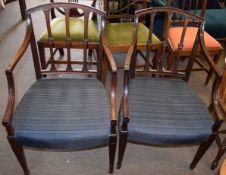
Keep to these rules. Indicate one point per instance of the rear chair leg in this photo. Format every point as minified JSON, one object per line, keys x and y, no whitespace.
{"x":19,"y":153}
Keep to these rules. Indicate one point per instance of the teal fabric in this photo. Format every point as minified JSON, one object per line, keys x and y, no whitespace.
{"x":158,"y":3}
{"x":211,"y":4}
{"x":216,"y":22}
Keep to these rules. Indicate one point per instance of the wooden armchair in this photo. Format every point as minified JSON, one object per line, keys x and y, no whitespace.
{"x":158,"y":108}
{"x":220,"y":112}
{"x":119,"y":29}
{"x":67,"y":107}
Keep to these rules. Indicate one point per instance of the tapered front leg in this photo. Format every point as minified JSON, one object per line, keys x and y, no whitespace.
{"x":19,"y":153}
{"x":112,"y":150}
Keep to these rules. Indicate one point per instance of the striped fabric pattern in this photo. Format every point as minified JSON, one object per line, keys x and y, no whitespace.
{"x":63,"y":114}
{"x":166,"y":111}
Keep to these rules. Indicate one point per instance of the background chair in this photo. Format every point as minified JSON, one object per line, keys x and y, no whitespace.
{"x":68,"y":107}
{"x":179,"y":51}
{"x":73,"y":13}
{"x":119,"y":29}
{"x":158,"y":107}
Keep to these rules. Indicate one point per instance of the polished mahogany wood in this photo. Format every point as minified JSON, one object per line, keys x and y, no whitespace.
{"x":220,"y":111}
{"x":43,"y":70}
{"x":162,"y":70}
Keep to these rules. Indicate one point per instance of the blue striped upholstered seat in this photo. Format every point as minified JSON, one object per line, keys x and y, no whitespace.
{"x":166,"y":111}
{"x":63,"y":114}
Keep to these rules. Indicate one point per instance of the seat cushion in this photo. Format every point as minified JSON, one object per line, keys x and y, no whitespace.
{"x":166,"y":111}
{"x":191,"y":33}
{"x":76,"y":26}
{"x":63,"y":114}
{"x":122,"y":34}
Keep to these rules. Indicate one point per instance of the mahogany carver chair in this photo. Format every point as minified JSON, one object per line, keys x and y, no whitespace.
{"x":182,"y":48}
{"x":67,"y":108}
{"x":158,"y":108}
{"x":119,"y":28}
{"x":219,"y":109}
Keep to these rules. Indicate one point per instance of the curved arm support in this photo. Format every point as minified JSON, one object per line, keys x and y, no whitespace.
{"x":108,"y":55}
{"x":113,"y":67}
{"x":218,"y":79}
{"x":113,"y":96}
{"x":207,"y":55}
{"x":218,"y":100}
{"x":7,"y":119}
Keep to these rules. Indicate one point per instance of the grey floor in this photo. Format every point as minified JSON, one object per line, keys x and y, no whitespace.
{"x":142,"y":160}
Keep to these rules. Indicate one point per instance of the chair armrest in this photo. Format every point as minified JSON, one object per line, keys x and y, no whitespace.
{"x":113,"y":96}
{"x":126,"y":80}
{"x":125,"y":95}
{"x":207,"y":55}
{"x":129,"y":57}
{"x":113,"y":68}
{"x":127,"y":73}
{"x":218,"y":79}
{"x":7,"y":119}
{"x":219,"y":96}
{"x":108,"y":55}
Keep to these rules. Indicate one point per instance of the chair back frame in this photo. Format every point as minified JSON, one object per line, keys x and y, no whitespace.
{"x":190,"y":19}
{"x":68,"y":43}
{"x":40,"y":73}
{"x":73,"y":12}
{"x":123,"y":11}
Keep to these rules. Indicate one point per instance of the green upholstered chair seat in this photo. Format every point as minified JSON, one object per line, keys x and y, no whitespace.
{"x":122,"y":34}
{"x":76,"y":26}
